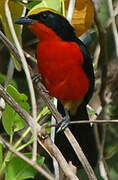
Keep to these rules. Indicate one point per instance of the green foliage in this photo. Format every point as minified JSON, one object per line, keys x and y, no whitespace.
{"x":53,"y":4}
{"x":1,"y":155}
{"x":16,"y":11}
{"x":32,"y":3}
{"x":104,"y":13}
{"x":113,"y":167}
{"x":109,"y":39}
{"x":113,"y":173}
{"x":3,"y":79}
{"x":111,"y":150}
{"x":58,"y":5}
{"x":12,"y":122}
{"x":18,"y":169}
{"x":91,"y":112}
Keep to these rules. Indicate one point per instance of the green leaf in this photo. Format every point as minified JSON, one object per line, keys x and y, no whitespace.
{"x":111,"y":150}
{"x":91,"y":112}
{"x":1,"y":156}
{"x":33,"y":3}
{"x":11,"y":120}
{"x":53,"y":4}
{"x":8,"y":119}
{"x":104,"y":12}
{"x":18,"y":169}
{"x":112,"y":164}
{"x":113,"y":173}
{"x":16,"y":11}
{"x":3,"y":79}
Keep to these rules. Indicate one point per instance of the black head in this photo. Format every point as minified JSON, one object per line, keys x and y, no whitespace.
{"x":53,"y":20}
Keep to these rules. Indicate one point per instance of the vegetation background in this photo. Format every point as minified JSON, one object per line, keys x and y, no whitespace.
{"x":102,"y":42}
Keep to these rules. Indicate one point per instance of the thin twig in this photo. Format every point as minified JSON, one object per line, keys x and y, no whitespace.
{"x":103,"y":63}
{"x":110,"y":19}
{"x":22,"y":58}
{"x":27,"y":55}
{"x":10,"y":73}
{"x":52,"y":136}
{"x":71,"y":8}
{"x":103,"y":172}
{"x":2,"y":106}
{"x":94,"y":121}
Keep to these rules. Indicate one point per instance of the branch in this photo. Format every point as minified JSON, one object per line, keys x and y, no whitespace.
{"x":51,"y":147}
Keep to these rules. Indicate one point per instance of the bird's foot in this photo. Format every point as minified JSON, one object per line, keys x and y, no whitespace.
{"x":36,"y":78}
{"x":62,"y":125}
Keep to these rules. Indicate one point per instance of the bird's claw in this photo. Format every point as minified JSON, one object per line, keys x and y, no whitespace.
{"x":36,"y":78}
{"x":63,"y":124}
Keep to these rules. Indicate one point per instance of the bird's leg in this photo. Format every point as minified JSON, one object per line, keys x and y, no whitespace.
{"x":62,"y":125}
{"x":37,"y":77}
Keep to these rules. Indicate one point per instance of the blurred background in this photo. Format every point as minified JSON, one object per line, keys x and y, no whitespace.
{"x":98,"y":28}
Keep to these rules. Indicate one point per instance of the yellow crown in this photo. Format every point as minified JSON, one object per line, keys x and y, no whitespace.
{"x":38,"y":10}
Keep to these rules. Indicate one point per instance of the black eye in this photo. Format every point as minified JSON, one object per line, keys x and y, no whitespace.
{"x":44,"y":16}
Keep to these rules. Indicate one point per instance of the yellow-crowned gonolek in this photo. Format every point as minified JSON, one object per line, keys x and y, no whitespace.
{"x":67,"y":72}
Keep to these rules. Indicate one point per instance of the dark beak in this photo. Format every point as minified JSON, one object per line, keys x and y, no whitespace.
{"x":24,"y":20}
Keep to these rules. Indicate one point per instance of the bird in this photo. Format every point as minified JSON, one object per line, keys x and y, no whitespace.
{"x":67,"y":72}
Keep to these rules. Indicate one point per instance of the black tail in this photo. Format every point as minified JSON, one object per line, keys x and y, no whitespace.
{"x":83,"y":133}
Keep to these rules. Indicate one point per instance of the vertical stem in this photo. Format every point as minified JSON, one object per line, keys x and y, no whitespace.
{"x":24,"y":63}
{"x":27,"y":72}
{"x":114,"y":27}
{"x":10,"y":73}
{"x":71,"y":10}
